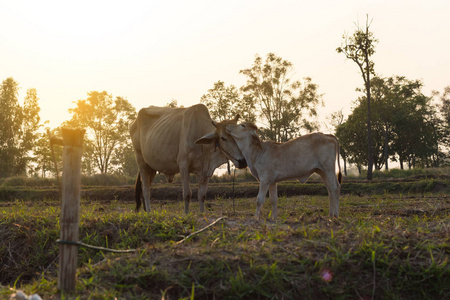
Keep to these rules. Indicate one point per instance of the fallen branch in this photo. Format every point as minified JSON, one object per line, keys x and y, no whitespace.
{"x":198,"y":231}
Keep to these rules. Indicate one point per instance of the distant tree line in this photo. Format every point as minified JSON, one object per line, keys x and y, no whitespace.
{"x":283,"y":107}
{"x":18,"y":129}
{"x":24,"y":142}
{"x":407,"y":126}
{"x":394,"y":119}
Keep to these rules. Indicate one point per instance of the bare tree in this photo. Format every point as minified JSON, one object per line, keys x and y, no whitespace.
{"x":359,"y":47}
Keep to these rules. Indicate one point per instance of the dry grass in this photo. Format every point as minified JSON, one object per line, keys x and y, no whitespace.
{"x":382,"y":247}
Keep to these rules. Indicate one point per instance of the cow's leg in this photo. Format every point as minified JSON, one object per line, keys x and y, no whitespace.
{"x":263,"y":188}
{"x":334,"y":190}
{"x":187,"y":192}
{"x":202,"y":189}
{"x":147,"y":174}
{"x":147,"y":177}
{"x":273,"y":195}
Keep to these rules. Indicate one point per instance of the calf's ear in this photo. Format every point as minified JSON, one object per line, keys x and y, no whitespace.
{"x":256,"y":140}
{"x":209,"y":138}
{"x":227,"y":129}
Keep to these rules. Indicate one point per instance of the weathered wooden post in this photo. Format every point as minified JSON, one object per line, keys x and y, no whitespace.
{"x":72,"y":140}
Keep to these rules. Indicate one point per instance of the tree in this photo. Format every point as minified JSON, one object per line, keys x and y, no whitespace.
{"x":377,"y":127}
{"x":10,"y":130}
{"x":404,"y":125}
{"x":352,"y":137}
{"x":30,"y":124}
{"x":415,"y":139}
{"x":285,"y":106}
{"x":225,"y":102}
{"x":444,"y":109}
{"x":359,"y":48}
{"x":173,"y":104}
{"x":127,"y":160}
{"x":106,"y":122}
{"x":43,"y":157}
{"x":336,"y":119}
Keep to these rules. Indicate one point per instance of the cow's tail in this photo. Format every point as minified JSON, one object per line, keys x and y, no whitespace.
{"x":138,"y":191}
{"x":339,"y":176}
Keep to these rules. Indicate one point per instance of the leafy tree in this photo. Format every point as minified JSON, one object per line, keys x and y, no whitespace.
{"x":444,"y":109}
{"x":383,"y":101}
{"x":413,"y":121}
{"x":106,"y":122}
{"x":285,"y":106}
{"x":416,"y":136}
{"x":10,"y":131}
{"x":336,"y":119}
{"x":43,"y":157}
{"x":359,"y":48}
{"x":19,"y":130}
{"x":127,"y":161}
{"x":403,"y":122}
{"x":30,"y":124}
{"x":225,"y":102}
{"x":173,"y":104}
{"x":352,"y":135}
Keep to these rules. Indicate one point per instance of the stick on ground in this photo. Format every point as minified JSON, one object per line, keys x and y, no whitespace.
{"x":198,"y":231}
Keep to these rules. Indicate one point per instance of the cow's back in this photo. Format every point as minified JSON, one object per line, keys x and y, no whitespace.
{"x":165,"y":135}
{"x":156,"y":136}
{"x":313,"y":150}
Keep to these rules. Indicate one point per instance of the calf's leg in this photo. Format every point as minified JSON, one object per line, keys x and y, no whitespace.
{"x":263,"y":188}
{"x":334,"y":190}
{"x":202,"y":189}
{"x":273,"y":195}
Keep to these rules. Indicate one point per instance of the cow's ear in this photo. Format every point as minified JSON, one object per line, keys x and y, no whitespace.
{"x":209,"y":138}
{"x":237,"y":117}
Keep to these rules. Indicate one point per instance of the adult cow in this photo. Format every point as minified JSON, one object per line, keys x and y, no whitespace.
{"x":272,"y":162}
{"x":180,"y":140}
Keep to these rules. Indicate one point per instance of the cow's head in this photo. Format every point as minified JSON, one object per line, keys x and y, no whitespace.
{"x":225,"y":142}
{"x":245,"y":134}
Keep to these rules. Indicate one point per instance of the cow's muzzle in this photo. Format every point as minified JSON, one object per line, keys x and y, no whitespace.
{"x":242,"y":164}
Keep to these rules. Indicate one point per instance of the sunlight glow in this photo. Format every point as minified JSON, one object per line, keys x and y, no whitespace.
{"x":154,"y":51}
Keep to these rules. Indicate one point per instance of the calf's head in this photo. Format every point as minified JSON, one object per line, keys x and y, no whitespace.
{"x":245,"y":134}
{"x":225,"y":142}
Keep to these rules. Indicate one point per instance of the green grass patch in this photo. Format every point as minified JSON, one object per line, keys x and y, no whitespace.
{"x":384,"y":246}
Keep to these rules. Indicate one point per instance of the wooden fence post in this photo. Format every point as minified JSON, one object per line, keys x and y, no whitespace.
{"x":70,"y":207}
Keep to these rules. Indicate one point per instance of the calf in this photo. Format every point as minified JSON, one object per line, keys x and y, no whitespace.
{"x":272,"y":162}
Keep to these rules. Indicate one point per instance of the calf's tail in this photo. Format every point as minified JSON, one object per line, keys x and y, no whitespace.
{"x":138,"y":191}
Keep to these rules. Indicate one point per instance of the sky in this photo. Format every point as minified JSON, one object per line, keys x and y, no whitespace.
{"x":152,"y":52}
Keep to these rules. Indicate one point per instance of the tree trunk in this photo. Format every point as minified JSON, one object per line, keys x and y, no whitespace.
{"x":369,"y":127}
{"x":345,"y":167}
{"x":386,"y":149}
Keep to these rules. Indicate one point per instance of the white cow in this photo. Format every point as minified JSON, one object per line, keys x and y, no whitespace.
{"x":272,"y":162}
{"x":180,"y":140}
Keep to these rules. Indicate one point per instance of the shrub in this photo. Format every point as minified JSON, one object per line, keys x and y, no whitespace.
{"x":28,"y":181}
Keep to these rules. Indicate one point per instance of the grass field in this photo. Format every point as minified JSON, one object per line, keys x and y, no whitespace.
{"x":386,"y":246}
